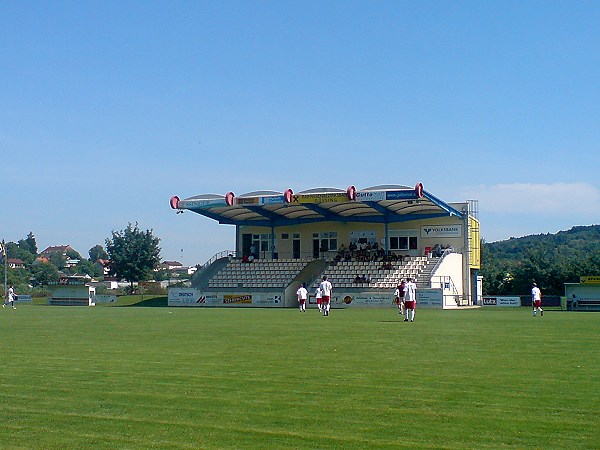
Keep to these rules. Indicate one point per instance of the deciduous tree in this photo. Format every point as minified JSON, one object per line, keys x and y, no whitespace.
{"x":133,"y":254}
{"x":97,"y":252}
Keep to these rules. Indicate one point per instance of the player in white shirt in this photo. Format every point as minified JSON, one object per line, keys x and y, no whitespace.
{"x":319,"y":298}
{"x":536,"y":300}
{"x":326,"y":289}
{"x":10,"y":298}
{"x":302,"y":294}
{"x":410,"y":300}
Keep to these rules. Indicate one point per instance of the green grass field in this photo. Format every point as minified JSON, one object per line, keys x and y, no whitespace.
{"x":157,"y":377}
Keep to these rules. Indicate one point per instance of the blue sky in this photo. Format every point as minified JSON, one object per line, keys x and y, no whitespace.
{"x":107,"y":109}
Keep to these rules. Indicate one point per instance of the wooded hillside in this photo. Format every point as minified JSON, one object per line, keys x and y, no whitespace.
{"x":510,"y":266}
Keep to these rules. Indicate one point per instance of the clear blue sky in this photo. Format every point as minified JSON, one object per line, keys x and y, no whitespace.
{"x":107,"y":109}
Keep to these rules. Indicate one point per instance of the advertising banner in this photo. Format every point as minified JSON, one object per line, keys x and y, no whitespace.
{"x":370,"y":196}
{"x":361,"y":299}
{"x":441,"y":231}
{"x":333,"y":197}
{"x":23,"y":298}
{"x":198,"y":204}
{"x":105,"y":298}
{"x":184,"y":297}
{"x":194,"y":297}
{"x":401,"y":195}
{"x":271,"y":200}
{"x":237,"y":299}
{"x":430,"y":298}
{"x":589,"y":280}
{"x":246,"y":200}
{"x":501,"y":301}
{"x":427,"y":298}
{"x":267,"y":299}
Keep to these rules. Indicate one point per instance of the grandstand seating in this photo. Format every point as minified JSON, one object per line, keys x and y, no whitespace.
{"x":265,"y":273}
{"x":342,"y":274}
{"x":261,"y":273}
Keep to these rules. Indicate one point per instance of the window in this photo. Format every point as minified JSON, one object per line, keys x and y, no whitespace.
{"x":262,"y":242}
{"x":412,"y":243}
{"x":327,"y":240}
{"x":403,"y":240}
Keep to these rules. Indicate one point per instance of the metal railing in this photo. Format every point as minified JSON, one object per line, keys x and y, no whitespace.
{"x":447,"y":284}
{"x":446,"y":252}
{"x":217,"y":256}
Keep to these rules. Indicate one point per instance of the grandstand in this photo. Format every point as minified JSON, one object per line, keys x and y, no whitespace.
{"x":383,"y":233}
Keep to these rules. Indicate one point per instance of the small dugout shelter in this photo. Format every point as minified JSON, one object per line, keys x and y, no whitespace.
{"x":72,"y":291}
{"x":585,"y":295}
{"x":324,"y":224}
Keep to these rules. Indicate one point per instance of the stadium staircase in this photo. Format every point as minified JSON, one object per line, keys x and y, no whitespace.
{"x":201,"y":278}
{"x":424,"y":279}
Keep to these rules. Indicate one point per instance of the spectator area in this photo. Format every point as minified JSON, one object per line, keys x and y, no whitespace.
{"x":344,"y":273}
{"x":278,"y":274}
{"x":257,"y":274}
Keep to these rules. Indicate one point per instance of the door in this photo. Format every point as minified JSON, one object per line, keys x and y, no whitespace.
{"x":246,"y":244}
{"x":296,"y":249}
{"x":316,"y":246}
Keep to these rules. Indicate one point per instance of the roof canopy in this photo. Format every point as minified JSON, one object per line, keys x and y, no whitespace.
{"x":377,"y":204}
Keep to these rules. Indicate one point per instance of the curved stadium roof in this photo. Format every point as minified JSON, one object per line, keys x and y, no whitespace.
{"x":376,"y":204}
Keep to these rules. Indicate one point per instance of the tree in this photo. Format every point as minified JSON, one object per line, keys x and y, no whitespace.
{"x":73,"y":254}
{"x":133,"y":254}
{"x":97,"y":252}
{"x":58,"y":260}
{"x":16,"y":251}
{"x":44,"y":273}
{"x":29,"y":244}
{"x":88,"y":267}
{"x":32,"y":243}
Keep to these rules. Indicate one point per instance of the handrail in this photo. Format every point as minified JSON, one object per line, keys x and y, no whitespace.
{"x":217,"y":256}
{"x":446,"y":252}
{"x":445,"y":279}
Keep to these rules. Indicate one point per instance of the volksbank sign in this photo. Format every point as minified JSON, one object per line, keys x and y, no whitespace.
{"x":441,"y":231}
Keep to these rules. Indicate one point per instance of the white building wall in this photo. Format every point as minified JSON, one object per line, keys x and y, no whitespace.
{"x":452,"y":267}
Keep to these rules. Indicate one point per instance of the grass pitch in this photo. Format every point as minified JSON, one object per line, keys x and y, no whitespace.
{"x":132,"y":377}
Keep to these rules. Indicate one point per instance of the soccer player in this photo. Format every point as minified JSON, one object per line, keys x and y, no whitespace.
{"x":326,"y":289}
{"x":10,"y":297}
{"x":319,"y":297}
{"x":302,"y":294}
{"x":536,"y":299}
{"x":399,"y":297}
{"x":410,"y":300}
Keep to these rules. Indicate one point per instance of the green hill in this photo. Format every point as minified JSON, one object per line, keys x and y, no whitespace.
{"x":510,"y":266}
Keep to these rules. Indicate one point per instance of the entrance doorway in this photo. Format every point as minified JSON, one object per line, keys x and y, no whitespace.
{"x":296,"y":248}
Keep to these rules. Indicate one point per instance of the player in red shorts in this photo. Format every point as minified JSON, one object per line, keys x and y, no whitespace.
{"x":326,"y":289}
{"x":302,"y":295}
{"x":319,"y":298}
{"x":536,"y":299}
{"x":410,"y":300}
